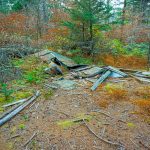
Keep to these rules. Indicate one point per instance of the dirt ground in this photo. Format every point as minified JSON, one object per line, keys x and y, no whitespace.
{"x":116,"y":123}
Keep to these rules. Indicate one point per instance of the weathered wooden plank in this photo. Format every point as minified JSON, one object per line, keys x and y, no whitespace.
{"x":117,"y":71}
{"x":101,"y":79}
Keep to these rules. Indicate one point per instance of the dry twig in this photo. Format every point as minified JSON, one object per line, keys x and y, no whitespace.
{"x":107,"y":115}
{"x":31,"y":138}
{"x":15,"y":136}
{"x":147,"y":147}
{"x":104,"y":140}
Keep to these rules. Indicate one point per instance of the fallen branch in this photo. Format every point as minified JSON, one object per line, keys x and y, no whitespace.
{"x":134,"y":143}
{"x":57,"y":111}
{"x":31,"y":138}
{"x":14,"y":103}
{"x":98,"y":111}
{"x":139,"y":78}
{"x":15,"y":136}
{"x":140,"y":142}
{"x":18,"y":109}
{"x":107,"y":115}
{"x":103,"y":131}
{"x":128,"y":70}
{"x":104,"y":140}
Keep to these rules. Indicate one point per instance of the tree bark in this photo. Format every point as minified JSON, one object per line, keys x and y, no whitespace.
{"x":123,"y":18}
{"x":83,"y":32}
{"x":108,"y":10}
{"x":149,"y":57}
{"x":91,"y":31}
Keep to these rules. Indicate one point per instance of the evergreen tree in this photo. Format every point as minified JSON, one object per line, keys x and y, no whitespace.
{"x":85,"y":14}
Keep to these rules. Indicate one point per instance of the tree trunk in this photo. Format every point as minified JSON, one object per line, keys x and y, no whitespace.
{"x":83,"y":32}
{"x":108,"y":10}
{"x":91,"y":31}
{"x":91,"y":38}
{"x":39,"y":29}
{"x":123,"y":19}
{"x":124,"y":12}
{"x":149,"y":57}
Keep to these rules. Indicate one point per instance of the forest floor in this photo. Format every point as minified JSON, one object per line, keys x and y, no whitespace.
{"x":66,"y":120}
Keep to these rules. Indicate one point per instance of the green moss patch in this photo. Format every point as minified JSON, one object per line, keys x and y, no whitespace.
{"x":69,"y":123}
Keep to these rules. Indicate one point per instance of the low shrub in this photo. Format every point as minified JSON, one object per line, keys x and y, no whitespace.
{"x":33,"y":69}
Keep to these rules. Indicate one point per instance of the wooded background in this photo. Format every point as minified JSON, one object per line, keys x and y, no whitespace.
{"x":115,"y":32}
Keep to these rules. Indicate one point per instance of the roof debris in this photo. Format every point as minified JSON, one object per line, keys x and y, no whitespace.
{"x":50,"y":56}
{"x":101,"y":79}
{"x":94,"y":74}
{"x":65,"y":84}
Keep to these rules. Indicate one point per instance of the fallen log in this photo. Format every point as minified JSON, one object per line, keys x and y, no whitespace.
{"x":9,"y":111}
{"x":101,"y":79}
{"x":18,"y":109}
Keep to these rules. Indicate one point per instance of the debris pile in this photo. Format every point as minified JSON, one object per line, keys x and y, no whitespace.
{"x":94,"y":74}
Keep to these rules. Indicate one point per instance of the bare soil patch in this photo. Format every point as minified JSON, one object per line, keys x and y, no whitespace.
{"x":123,"y":123}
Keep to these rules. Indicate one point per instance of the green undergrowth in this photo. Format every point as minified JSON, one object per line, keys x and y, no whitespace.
{"x":14,"y":96}
{"x":32,"y":68}
{"x":82,"y":60}
{"x":47,"y":93}
{"x":73,"y":52}
{"x":72,"y":122}
{"x":33,"y":76}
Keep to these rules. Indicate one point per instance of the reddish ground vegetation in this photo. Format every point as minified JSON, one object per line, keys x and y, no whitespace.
{"x":103,"y":103}
{"x":144,"y":105}
{"x":118,"y":94}
{"x":143,"y":92}
{"x":123,"y":61}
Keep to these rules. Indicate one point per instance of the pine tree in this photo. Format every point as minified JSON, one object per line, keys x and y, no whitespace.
{"x":85,"y":14}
